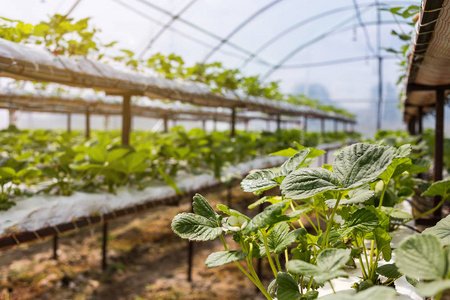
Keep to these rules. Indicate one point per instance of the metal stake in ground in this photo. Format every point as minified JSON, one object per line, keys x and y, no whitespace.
{"x":105,"y":246}
{"x":55,"y":247}
{"x":190,"y":255}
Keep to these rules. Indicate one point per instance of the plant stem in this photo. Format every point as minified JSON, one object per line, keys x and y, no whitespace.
{"x":299,"y":219}
{"x":258,"y":283}
{"x":277,"y":261}
{"x":286,"y":255}
{"x":309,"y":283}
{"x":256,"y":280}
{"x":330,"y":222}
{"x":372,"y":248}
{"x":427,"y":212}
{"x":269,"y":257}
{"x":365,"y":254}
{"x":312,"y":224}
{"x":382,"y":194}
{"x":332,"y":287}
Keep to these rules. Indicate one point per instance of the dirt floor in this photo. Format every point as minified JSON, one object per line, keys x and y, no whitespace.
{"x":146,"y":261}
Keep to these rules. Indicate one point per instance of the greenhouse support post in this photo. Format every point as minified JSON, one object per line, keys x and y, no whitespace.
{"x":12,"y":117}
{"x":204,"y":125}
{"x":322,"y":125}
{"x":233,"y":121}
{"x":439,"y":144}
{"x":420,"y":121}
{"x":335,"y":125}
{"x":438,"y":134}
{"x":166,"y":124}
{"x":88,"y":123}
{"x":106,"y":124}
{"x":412,"y":125}
{"x":126,"y":120}
{"x":278,"y":122}
{"x":69,"y":122}
{"x":305,"y":124}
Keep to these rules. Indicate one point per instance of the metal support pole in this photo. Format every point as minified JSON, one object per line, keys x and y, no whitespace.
{"x":322,"y":125}
{"x":412,"y":125}
{"x":106,"y":124}
{"x":305,"y":125}
{"x":380,"y":67}
{"x":69,"y":122}
{"x":204,"y":125}
{"x":166,"y":124}
{"x":105,"y":246}
{"x":278,"y":122}
{"x":439,"y":145}
{"x":229,"y":193}
{"x":88,"y":123}
{"x":12,"y":117}
{"x":55,"y":247}
{"x":233,"y":121}
{"x":335,"y":126}
{"x":190,"y":255}
{"x":268,"y":125}
{"x":345,"y":126}
{"x":126,"y":120}
{"x":420,"y":121}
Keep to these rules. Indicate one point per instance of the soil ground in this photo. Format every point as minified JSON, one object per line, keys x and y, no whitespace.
{"x":146,"y":261}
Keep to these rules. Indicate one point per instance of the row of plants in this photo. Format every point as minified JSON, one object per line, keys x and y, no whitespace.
{"x":61,"y":163}
{"x":352,"y":208}
{"x":65,"y":36}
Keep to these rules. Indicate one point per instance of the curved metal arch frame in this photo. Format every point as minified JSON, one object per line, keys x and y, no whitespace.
{"x":240,"y":27}
{"x":314,"y":40}
{"x":165,"y":27}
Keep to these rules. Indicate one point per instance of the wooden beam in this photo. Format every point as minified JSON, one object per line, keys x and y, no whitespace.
{"x":423,"y":87}
{"x":126,"y":120}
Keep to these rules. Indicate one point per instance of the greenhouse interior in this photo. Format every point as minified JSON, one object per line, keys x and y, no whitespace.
{"x":270,"y":149}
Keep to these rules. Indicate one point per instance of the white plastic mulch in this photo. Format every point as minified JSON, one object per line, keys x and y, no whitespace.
{"x":40,"y":211}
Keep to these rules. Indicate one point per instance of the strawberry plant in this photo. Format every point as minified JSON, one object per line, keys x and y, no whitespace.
{"x":350,"y":229}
